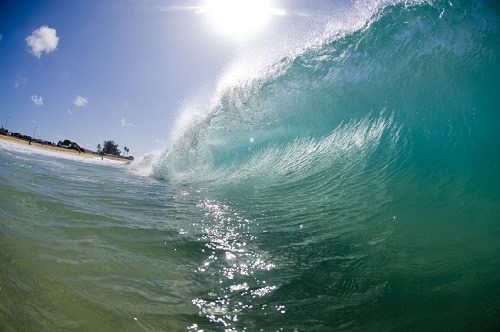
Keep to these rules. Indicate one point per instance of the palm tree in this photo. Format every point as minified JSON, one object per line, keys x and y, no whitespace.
{"x":126,"y":149}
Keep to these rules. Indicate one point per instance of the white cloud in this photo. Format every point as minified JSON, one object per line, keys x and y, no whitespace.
{"x":37,"y":100}
{"x":70,"y":112}
{"x":42,"y":40}
{"x":80,"y":101}
{"x":126,"y":124}
{"x":20,"y":81}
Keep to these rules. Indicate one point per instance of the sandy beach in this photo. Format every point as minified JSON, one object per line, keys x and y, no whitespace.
{"x":48,"y":148}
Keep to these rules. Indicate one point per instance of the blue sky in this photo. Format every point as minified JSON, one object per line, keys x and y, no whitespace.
{"x":123,"y":70}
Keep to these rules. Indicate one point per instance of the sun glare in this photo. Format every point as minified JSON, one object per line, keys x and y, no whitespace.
{"x":238,"y":19}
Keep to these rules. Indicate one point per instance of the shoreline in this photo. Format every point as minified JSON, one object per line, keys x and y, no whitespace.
{"x":69,"y":152}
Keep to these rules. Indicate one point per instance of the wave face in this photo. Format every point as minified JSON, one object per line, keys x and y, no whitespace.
{"x":414,"y":87}
{"x":362,"y":175}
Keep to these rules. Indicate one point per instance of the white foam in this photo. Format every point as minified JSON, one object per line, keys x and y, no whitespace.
{"x":144,"y":164}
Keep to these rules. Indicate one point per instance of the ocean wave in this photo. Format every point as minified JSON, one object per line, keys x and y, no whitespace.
{"x":418,"y":74}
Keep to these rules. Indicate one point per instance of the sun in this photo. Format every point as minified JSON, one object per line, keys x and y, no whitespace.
{"x":238,"y":19}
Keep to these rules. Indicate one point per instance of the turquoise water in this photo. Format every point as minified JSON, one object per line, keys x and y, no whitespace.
{"x":352,"y":186}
